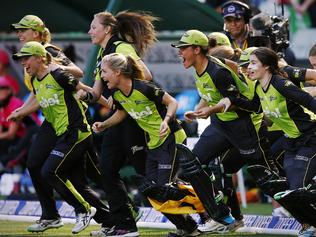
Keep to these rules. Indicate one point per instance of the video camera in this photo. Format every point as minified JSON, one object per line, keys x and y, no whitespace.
{"x":270,"y":31}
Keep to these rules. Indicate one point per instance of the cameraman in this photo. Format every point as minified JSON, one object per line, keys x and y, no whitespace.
{"x":236,"y":16}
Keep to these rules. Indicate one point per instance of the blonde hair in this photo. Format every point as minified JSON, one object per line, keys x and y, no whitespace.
{"x":46,"y":37}
{"x":224,"y":51}
{"x":133,"y":27}
{"x":125,"y":64}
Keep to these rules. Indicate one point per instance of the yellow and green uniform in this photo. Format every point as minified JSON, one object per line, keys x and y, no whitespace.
{"x":283,"y":103}
{"x":55,"y":93}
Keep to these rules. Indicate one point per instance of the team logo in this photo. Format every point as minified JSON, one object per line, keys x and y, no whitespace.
{"x":231,"y":88}
{"x":231,"y":8}
{"x":157,"y":91}
{"x":288,"y":83}
{"x":271,"y":98}
{"x":48,"y":86}
{"x":207,"y":86}
{"x":296,"y":72}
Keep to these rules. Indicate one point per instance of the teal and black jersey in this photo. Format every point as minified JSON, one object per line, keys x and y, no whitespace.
{"x":55,"y":94}
{"x":144,"y":104}
{"x":215,"y":83}
{"x":283,"y":103}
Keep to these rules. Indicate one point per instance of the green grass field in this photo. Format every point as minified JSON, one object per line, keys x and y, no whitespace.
{"x":17,"y":229}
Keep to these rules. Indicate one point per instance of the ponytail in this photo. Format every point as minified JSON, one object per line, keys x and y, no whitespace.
{"x":46,"y":36}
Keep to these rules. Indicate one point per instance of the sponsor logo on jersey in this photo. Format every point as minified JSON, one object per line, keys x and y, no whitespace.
{"x":48,"y":86}
{"x":276,"y":113}
{"x":138,"y":102}
{"x":288,"y":83}
{"x":141,"y":114}
{"x":302,"y":158}
{"x":164,"y":167}
{"x":207,"y":86}
{"x":44,"y":103}
{"x":137,"y":148}
{"x":57,"y":153}
{"x":207,"y":97}
{"x":272,"y":97}
{"x":231,"y":88}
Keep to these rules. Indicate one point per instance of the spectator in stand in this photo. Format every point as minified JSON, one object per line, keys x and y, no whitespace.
{"x":312,"y":56}
{"x":4,"y":68}
{"x":10,"y":132}
{"x":308,"y":6}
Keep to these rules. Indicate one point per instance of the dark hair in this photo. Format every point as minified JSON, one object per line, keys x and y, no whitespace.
{"x":312,"y":51}
{"x":125,"y":64}
{"x":133,"y":27}
{"x":269,"y":58}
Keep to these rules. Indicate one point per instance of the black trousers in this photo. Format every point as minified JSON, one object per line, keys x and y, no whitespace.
{"x":40,"y":149}
{"x":221,"y":136}
{"x":121,"y":143}
{"x":300,"y":159}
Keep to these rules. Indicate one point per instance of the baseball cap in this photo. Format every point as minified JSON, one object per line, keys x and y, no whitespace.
{"x":30,"y":22}
{"x":245,"y":56}
{"x":233,"y":9}
{"x":192,"y":37}
{"x":221,"y":39}
{"x":4,"y":58}
{"x":29,"y":49}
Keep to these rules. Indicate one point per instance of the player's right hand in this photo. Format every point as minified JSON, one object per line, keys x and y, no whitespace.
{"x":98,"y":127}
{"x":189,"y":116}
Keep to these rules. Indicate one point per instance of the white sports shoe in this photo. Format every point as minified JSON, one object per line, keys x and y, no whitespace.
{"x":212,"y":226}
{"x":101,"y":232}
{"x":281,"y":212}
{"x":42,"y":225}
{"x":307,"y":231}
{"x":83,"y":220}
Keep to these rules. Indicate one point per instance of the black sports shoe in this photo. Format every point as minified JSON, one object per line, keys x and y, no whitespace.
{"x":122,"y":233}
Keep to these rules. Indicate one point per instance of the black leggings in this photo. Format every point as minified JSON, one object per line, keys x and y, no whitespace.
{"x":121,"y":143}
